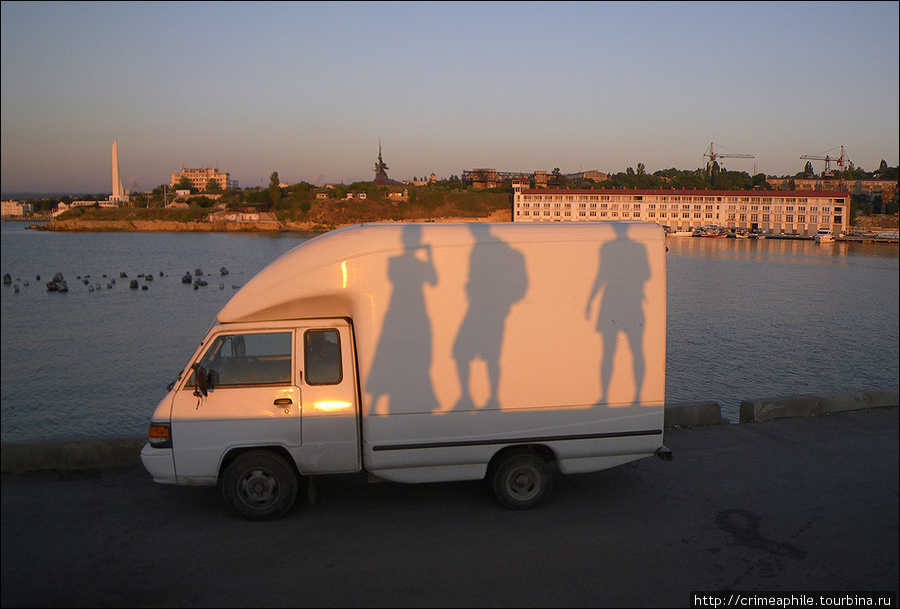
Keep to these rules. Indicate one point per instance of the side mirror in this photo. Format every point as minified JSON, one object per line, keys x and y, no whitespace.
{"x":200,"y":377}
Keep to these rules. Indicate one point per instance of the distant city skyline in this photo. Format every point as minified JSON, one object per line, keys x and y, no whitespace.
{"x":309,"y":90}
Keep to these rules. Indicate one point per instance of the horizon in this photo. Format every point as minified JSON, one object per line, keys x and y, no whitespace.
{"x":26,"y":195}
{"x":310,"y":90}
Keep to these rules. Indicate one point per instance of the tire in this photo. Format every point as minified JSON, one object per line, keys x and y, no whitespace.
{"x":259,"y":485}
{"x":522,"y":480}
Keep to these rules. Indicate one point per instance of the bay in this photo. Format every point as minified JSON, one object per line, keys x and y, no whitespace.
{"x":95,"y":363}
{"x":746,"y":319}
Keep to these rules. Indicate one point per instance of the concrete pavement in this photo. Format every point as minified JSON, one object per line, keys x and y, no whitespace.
{"x":789,"y":504}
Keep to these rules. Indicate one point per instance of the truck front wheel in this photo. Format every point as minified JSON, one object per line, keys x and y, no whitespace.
{"x":259,"y":485}
{"x":522,"y":480}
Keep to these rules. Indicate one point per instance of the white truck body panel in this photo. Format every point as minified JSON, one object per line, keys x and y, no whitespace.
{"x":458,"y":340}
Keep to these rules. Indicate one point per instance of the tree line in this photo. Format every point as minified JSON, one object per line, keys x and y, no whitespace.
{"x":301,"y":196}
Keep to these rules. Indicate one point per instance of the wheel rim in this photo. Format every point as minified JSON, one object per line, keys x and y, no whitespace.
{"x":258,"y":488}
{"x":523,"y":483}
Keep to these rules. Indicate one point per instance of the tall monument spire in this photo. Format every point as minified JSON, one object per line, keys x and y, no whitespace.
{"x":118,"y":193}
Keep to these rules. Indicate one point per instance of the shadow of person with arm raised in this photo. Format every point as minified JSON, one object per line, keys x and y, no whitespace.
{"x":402,"y":364}
{"x":624,"y":269}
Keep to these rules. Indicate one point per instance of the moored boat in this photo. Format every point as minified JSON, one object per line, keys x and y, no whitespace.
{"x":824,"y":235}
{"x":714,"y":232}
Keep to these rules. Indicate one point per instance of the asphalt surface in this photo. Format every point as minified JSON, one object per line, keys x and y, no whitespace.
{"x":807,"y":504}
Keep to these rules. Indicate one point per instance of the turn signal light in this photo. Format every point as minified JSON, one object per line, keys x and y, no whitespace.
{"x":160,"y":436}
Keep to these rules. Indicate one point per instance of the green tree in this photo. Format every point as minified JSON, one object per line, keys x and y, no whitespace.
{"x":183,"y":184}
{"x":274,"y":189}
{"x":759,"y":182}
{"x":557,"y":180}
{"x":212,"y":186}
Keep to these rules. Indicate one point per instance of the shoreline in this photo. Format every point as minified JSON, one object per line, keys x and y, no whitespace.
{"x":272,"y":226}
{"x":278,"y":226}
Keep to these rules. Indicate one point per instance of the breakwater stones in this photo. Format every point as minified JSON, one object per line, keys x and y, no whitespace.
{"x":58,"y":283}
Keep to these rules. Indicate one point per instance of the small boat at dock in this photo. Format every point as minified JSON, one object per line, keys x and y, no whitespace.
{"x":824,"y":235}
{"x":714,"y":232}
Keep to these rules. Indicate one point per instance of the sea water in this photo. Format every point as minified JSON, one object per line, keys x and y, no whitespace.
{"x":746,"y":319}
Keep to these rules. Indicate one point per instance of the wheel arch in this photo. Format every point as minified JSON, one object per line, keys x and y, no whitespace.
{"x":541,"y":450}
{"x":237,"y":451}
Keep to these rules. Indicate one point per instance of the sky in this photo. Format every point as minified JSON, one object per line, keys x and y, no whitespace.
{"x":310,"y":90}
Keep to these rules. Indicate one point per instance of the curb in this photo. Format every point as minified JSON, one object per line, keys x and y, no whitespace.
{"x":812,"y":404}
{"x":122,"y":451}
{"x":692,"y":414}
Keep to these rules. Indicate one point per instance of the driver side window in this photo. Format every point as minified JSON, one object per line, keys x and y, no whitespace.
{"x":247,"y":359}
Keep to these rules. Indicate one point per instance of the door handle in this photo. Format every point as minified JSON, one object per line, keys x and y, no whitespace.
{"x":283,"y":402}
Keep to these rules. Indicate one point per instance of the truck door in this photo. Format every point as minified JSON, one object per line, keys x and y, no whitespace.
{"x":330,"y":415}
{"x":243,"y":392}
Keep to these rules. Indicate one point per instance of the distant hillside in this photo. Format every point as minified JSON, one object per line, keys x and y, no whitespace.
{"x":301,"y":215}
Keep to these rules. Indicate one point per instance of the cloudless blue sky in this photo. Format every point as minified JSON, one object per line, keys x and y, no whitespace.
{"x":308,"y":89}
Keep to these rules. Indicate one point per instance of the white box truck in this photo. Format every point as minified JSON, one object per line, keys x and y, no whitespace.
{"x":426,"y":352}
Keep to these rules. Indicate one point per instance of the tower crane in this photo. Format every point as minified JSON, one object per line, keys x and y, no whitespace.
{"x":841,"y":160}
{"x":713,"y":155}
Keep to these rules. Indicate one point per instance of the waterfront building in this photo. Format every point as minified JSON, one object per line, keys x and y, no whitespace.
{"x":199,"y":178}
{"x":799,"y":213}
{"x":14,"y":209}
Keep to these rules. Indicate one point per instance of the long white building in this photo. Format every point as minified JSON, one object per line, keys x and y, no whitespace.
{"x":799,"y":213}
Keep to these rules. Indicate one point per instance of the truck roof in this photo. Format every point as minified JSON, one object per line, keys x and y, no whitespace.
{"x":321,"y":277}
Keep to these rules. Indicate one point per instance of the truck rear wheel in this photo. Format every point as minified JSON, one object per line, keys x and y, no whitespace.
{"x":522,"y":480}
{"x":259,"y":485}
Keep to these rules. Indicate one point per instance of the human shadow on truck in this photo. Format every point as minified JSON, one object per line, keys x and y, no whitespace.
{"x":497,"y":280}
{"x":623,"y":270}
{"x":406,"y":316}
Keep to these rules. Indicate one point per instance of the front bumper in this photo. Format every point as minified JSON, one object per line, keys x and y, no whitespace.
{"x":160,"y":463}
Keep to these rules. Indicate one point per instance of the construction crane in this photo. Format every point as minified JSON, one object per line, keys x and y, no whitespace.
{"x":713,"y":155}
{"x":841,"y":160}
